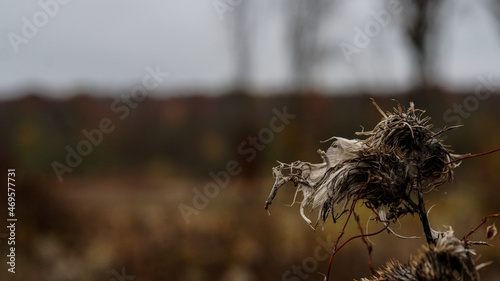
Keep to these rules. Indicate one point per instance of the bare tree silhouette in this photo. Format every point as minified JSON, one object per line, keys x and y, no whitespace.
{"x":306,"y":19}
{"x":422,"y":24}
{"x":494,"y":7}
{"x":240,"y":29}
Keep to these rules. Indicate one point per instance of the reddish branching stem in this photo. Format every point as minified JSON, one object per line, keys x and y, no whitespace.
{"x":350,"y":213}
{"x":465,"y":239}
{"x":338,"y":248}
{"x":368,"y":246}
{"x":355,"y":237}
{"x":472,"y":156}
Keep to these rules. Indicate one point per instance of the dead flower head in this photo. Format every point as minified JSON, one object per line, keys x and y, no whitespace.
{"x":398,"y":157}
{"x":449,"y":259}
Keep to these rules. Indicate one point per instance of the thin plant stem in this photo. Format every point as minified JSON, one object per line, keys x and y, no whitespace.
{"x":350,"y":213}
{"x":422,"y":213}
{"x":336,"y":250}
{"x":472,"y":156}
{"x":368,"y":246}
{"x":465,"y":239}
{"x":349,"y":240}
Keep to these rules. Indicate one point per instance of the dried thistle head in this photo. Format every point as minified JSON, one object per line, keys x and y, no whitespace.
{"x":450,"y":259}
{"x":399,"y":156}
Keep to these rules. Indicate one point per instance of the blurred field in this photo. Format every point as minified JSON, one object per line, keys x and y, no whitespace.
{"x":119,"y":210}
{"x":88,"y":227}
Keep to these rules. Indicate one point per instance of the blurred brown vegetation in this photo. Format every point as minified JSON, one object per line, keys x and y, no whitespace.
{"x":119,"y":207}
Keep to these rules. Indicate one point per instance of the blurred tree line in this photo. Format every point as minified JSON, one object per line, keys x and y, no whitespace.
{"x":311,"y":39}
{"x":191,"y":136}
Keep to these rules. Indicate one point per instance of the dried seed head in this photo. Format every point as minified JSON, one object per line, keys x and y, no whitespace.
{"x":383,"y":169}
{"x":491,"y":231}
{"x":449,"y":259}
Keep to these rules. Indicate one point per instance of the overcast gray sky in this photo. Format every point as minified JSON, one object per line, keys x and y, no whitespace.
{"x":60,"y":45}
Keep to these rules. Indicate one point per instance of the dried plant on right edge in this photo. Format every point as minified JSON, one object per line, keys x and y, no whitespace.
{"x":389,"y":171}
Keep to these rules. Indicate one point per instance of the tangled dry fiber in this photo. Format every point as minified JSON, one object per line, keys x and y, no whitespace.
{"x":389,"y":170}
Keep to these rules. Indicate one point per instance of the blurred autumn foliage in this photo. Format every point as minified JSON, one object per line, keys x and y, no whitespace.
{"x":118,"y":208}
{"x":194,"y":135}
